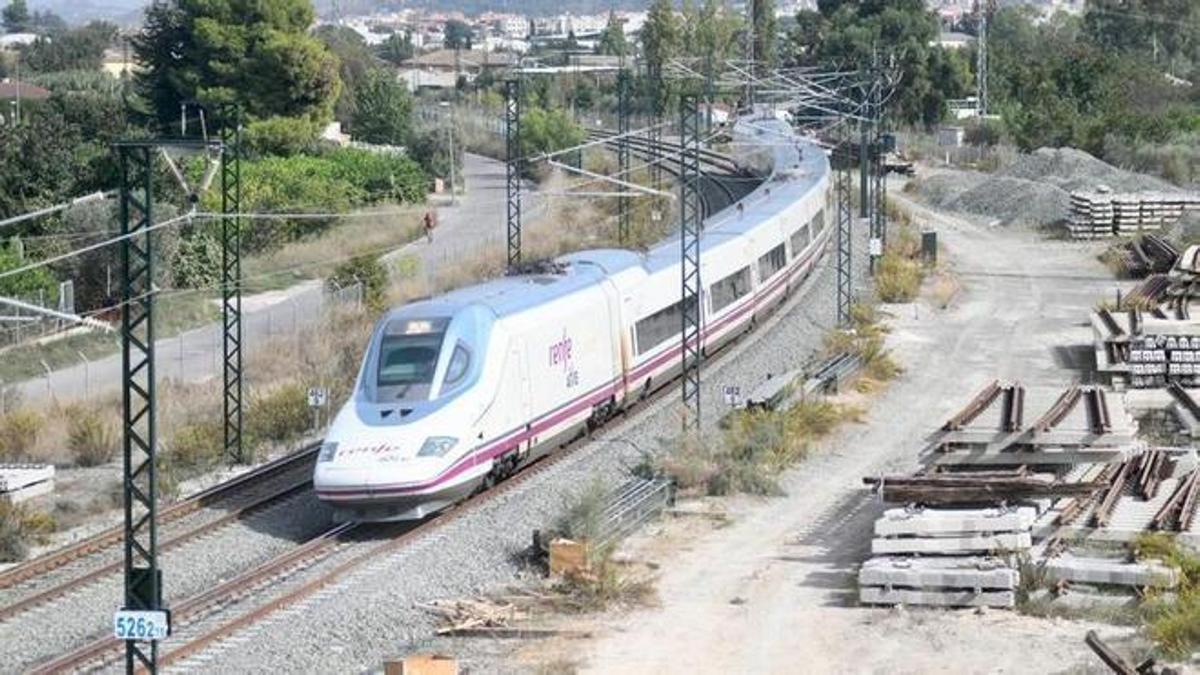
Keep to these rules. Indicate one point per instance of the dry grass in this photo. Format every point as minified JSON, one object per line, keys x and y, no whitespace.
{"x":756,"y":446}
{"x":20,"y":524}
{"x":899,"y":272}
{"x":1172,"y":620}
{"x":20,"y":431}
{"x":944,"y":289}
{"x":865,"y":338}
{"x":316,"y":257}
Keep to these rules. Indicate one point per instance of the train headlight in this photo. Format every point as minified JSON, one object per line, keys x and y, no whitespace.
{"x":328,"y":452}
{"x":436,"y":446}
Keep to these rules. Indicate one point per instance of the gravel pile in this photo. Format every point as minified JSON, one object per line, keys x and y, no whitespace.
{"x":352,"y":626}
{"x":1034,"y":189}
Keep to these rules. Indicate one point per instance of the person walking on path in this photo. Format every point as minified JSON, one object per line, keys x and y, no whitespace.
{"x":429,"y":226}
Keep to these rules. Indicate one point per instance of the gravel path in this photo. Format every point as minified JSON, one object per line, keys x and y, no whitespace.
{"x":355,"y":624}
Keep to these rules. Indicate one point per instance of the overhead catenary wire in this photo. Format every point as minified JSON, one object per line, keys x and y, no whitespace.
{"x":95,"y":196}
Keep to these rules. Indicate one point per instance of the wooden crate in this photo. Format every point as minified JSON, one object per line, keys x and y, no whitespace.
{"x":568,"y":557}
{"x":422,"y":664}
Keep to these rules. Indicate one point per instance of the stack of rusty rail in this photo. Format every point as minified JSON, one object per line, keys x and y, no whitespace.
{"x":1080,"y":424}
{"x":1144,"y":255}
{"x":992,"y":488}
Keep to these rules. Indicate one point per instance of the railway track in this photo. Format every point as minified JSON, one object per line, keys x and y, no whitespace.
{"x":44,"y":579}
{"x":206,"y":619}
{"x":719,"y":182}
{"x":284,"y":580}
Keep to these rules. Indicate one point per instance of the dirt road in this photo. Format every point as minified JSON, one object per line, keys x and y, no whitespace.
{"x":774,"y":591}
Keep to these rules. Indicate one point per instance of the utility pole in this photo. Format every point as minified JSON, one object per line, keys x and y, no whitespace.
{"x":842,"y":166}
{"x":623,"y":215}
{"x":231,"y":279}
{"x":689,"y":250}
{"x":981,"y":66}
{"x":512,"y":130}
{"x":453,"y":158}
{"x":143,"y":617}
{"x":143,"y":579}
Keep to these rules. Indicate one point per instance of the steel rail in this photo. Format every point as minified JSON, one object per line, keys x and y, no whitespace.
{"x":74,"y":583}
{"x":974,"y":408}
{"x":194,"y":606}
{"x":112,"y":536}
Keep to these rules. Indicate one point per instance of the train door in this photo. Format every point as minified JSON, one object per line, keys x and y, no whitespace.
{"x":522,"y":402}
{"x":622,"y":354}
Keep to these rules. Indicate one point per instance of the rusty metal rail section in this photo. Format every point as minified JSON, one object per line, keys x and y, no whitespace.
{"x":1116,"y":487}
{"x":1179,"y":509}
{"x":975,"y":408}
{"x":1013,"y":408}
{"x":1062,"y":407}
{"x":1114,"y":329}
{"x":1183,"y":398}
{"x":112,"y":536}
{"x":1150,"y":473}
{"x":1096,"y":406}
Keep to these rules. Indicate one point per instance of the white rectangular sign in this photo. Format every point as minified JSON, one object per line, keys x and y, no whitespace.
{"x":131,"y":624}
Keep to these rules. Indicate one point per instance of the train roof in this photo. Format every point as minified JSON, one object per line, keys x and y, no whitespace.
{"x":798,"y":165}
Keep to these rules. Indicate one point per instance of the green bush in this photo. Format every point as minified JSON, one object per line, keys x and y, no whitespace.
{"x":330,"y":183}
{"x":1173,"y":622}
{"x":91,"y":440}
{"x":897,"y":279}
{"x":197,"y":445}
{"x":197,"y":262}
{"x":281,"y":135}
{"x":26,"y":285}
{"x":279,"y":416}
{"x":18,"y":526}
{"x":19,"y":432}
{"x":367,"y":270}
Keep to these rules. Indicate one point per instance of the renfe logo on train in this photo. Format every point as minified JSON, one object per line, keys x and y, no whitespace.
{"x":562,"y":356}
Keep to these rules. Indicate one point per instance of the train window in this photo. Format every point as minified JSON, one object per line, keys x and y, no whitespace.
{"x":800,"y":240}
{"x":457,"y":368}
{"x":659,"y":327}
{"x":771,"y":262}
{"x":819,"y":221}
{"x":408,"y":359}
{"x":730,"y":288}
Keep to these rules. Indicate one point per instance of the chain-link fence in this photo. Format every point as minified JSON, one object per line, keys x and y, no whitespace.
{"x":194,"y":355}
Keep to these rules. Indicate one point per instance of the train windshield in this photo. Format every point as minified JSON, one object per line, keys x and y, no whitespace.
{"x":408,"y":353}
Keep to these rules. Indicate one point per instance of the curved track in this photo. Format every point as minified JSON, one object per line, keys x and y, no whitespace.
{"x":722,"y":186}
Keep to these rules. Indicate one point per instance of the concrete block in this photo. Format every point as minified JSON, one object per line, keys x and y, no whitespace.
{"x":1082,"y":600}
{"x":943,"y":573}
{"x":953,"y":545}
{"x":17,"y":476}
{"x":953,"y":521}
{"x":28,"y":492}
{"x":877,"y":596}
{"x":1111,"y":572}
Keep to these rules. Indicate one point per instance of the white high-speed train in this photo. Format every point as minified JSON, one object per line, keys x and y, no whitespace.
{"x":459,"y":391}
